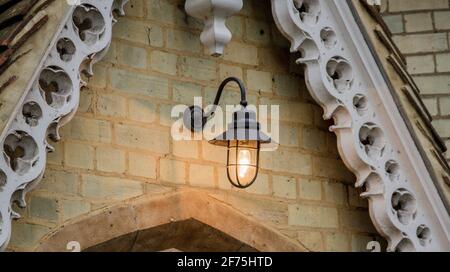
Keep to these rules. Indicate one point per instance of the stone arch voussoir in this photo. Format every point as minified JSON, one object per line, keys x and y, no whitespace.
{"x":151,"y":211}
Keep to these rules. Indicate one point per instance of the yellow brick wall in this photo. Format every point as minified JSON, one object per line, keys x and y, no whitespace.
{"x":119,"y":146}
{"x":421,"y":30}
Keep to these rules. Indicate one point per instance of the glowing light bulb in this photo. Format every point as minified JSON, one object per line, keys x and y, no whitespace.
{"x":244,"y":163}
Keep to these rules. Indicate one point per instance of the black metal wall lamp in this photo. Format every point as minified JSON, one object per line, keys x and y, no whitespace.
{"x":243,"y":138}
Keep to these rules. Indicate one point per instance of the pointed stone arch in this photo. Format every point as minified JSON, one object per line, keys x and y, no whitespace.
{"x":152,"y":211}
{"x":188,"y":235}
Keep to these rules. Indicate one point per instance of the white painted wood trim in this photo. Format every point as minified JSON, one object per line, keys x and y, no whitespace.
{"x":373,"y":139}
{"x":214,"y":14}
{"x":39,"y":116}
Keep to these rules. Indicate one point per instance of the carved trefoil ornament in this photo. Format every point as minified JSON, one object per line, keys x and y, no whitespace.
{"x":84,"y":38}
{"x":214,"y":14}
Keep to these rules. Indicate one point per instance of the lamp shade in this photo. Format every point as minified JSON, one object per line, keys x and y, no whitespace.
{"x":244,"y":127}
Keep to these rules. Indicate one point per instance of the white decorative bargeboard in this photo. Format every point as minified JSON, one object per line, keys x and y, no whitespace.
{"x":373,"y":140}
{"x":84,"y":38}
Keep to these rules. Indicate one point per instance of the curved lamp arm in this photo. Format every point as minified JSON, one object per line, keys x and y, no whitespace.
{"x":222,"y":86}
{"x":197,"y":118}
{"x":241,"y":87}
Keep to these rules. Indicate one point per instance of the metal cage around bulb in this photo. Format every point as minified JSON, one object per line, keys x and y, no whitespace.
{"x":243,"y":162}
{"x":243,"y":139}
